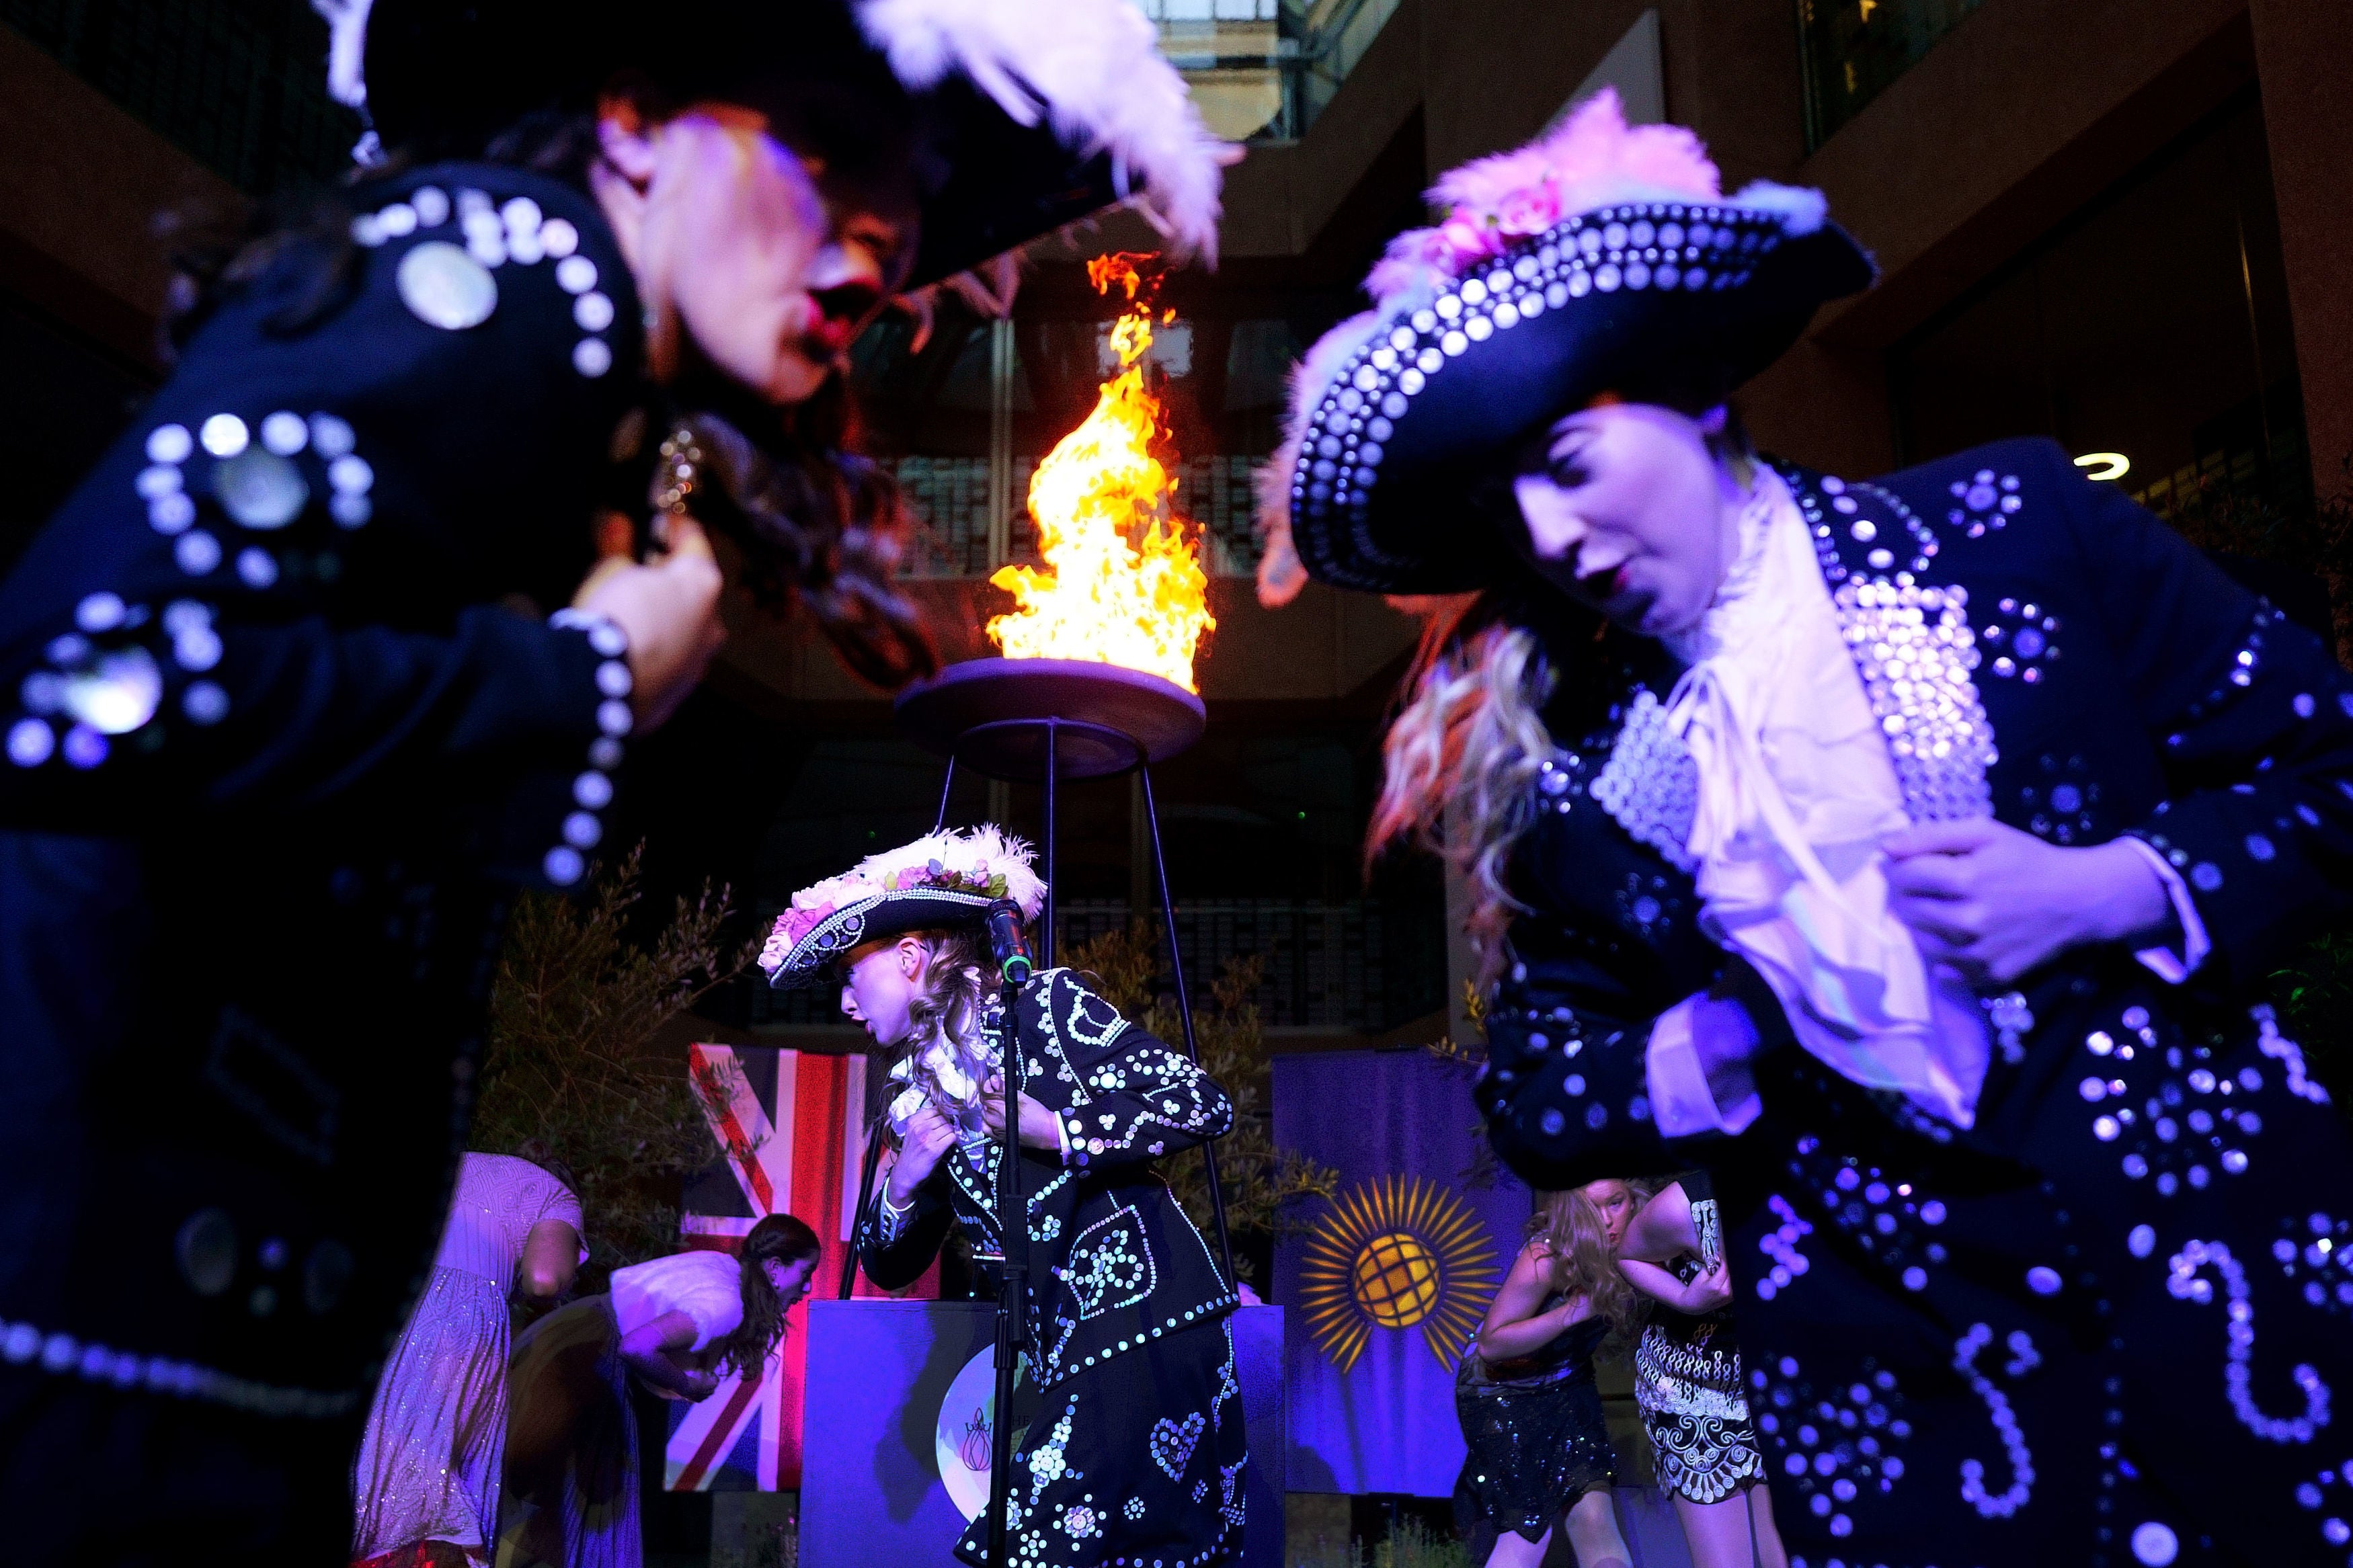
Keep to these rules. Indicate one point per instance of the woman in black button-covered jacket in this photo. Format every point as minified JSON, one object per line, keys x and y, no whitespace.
{"x":284,"y":713}
{"x":1909,"y":853}
{"x":1136,"y":1450}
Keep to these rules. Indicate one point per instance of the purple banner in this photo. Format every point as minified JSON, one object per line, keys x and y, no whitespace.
{"x":1391,"y":1276}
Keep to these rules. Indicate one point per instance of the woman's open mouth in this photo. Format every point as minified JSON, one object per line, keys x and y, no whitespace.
{"x":828,"y":336}
{"x":1604,"y":587}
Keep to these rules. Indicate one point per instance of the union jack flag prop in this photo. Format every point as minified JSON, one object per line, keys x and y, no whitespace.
{"x":792,"y":1124}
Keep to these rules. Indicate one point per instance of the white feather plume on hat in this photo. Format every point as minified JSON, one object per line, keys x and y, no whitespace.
{"x":1093,"y":68}
{"x":968,"y":867}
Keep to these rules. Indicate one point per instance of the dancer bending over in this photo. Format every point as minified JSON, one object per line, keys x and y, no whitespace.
{"x":1912,"y":853}
{"x":676,"y":1325}
{"x":1539,"y":1448}
{"x":1135,"y":1448}
{"x":1688,"y":1384}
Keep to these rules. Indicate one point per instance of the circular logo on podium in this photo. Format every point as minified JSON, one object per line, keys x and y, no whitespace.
{"x":961,"y":1442}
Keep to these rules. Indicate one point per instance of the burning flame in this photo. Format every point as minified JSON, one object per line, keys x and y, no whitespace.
{"x":1122,"y":582}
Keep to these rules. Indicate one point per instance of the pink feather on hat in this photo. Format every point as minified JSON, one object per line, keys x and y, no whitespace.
{"x":1592,"y":159}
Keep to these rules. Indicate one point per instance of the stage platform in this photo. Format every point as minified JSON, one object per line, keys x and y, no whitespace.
{"x":898,"y":1398}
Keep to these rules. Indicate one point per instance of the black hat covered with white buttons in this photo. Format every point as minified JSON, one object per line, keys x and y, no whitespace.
{"x":1598,"y":258}
{"x":1025,"y":115}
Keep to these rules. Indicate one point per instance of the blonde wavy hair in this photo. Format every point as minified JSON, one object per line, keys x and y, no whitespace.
{"x":1468,"y":740}
{"x":1461,"y":757}
{"x":1578,"y":1243}
{"x":944,"y":1012}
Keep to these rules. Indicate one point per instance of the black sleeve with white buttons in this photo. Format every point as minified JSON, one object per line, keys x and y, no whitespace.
{"x":2251,"y":719}
{"x":304,"y":578}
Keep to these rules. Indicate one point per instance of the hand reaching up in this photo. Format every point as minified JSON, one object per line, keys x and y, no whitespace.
{"x":668,"y":609}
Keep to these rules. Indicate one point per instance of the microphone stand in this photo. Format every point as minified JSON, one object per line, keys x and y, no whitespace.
{"x":865,"y":1195}
{"x":1012,"y":1305}
{"x":1012,"y":1222}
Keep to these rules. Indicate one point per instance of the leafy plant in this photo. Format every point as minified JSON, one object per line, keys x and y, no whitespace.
{"x":1327,"y":1553}
{"x":1411,"y":1544}
{"x":570,"y":1075}
{"x":767,"y":1543}
{"x":1259,"y":1178}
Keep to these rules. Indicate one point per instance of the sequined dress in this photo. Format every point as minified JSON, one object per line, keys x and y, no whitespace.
{"x":428,"y":1468}
{"x":1687,"y":1380}
{"x":2099,"y":1325}
{"x":1536,"y":1437}
{"x":1135,"y":1449}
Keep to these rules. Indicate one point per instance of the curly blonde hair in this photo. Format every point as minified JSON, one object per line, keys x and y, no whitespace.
{"x":1575,"y":1239}
{"x":955,"y":986}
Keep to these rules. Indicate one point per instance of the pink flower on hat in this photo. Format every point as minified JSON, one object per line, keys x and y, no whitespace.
{"x":1532,"y":211}
{"x":790,"y":927}
{"x":1592,"y":160}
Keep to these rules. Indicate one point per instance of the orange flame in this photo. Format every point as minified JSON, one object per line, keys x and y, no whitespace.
{"x":1122,"y":582}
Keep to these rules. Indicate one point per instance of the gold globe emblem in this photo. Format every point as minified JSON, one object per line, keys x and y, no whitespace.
{"x":1395,"y":1279}
{"x":1396,"y":1252}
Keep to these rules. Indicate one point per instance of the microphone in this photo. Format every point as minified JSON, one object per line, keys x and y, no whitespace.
{"x":1007,"y":943}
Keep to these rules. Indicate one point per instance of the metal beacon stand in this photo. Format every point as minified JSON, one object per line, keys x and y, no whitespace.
{"x":1045,"y":721}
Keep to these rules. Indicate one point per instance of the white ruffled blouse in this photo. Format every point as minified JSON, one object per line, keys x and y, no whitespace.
{"x":1795,"y":792}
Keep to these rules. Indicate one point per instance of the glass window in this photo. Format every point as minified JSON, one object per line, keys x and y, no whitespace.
{"x":1853,"y":49}
{"x":2152,"y":325}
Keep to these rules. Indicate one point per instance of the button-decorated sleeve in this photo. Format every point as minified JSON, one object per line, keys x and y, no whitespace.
{"x":1573,"y":1088}
{"x":896,"y":1244}
{"x":290,"y":587}
{"x":2253,"y":720}
{"x":1566,"y":1092}
{"x":144,"y":713}
{"x":1132,"y":1098}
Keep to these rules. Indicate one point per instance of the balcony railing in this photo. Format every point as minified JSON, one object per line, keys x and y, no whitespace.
{"x":1263,"y":69}
{"x":1343,"y":965}
{"x":950,"y":498}
{"x":1853,"y":49}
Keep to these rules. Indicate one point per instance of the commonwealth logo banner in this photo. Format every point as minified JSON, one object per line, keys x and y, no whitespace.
{"x":1392,"y":1275}
{"x":1396,"y":1252}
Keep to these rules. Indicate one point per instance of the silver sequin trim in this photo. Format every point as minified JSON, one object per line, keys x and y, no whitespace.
{"x":1916,"y":651}
{"x":1650,"y":784}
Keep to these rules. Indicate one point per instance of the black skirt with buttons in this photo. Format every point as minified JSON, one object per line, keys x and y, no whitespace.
{"x":1139,"y":1460}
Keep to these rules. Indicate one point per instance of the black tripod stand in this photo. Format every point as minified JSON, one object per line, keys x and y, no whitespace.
{"x":1046,"y":721}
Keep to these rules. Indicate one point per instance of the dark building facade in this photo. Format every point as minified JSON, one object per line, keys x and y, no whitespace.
{"x":2124,"y":224}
